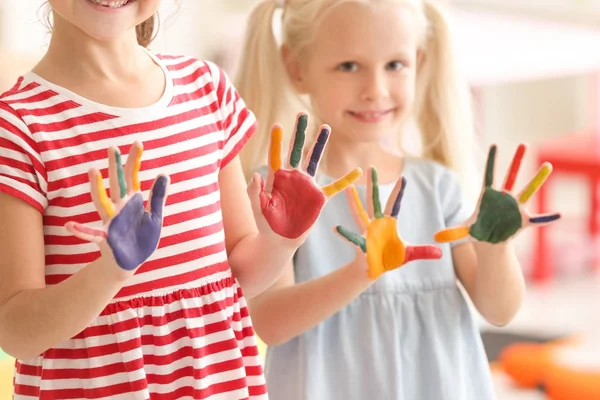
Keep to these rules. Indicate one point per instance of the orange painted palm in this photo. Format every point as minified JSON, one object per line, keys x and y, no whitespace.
{"x":500,"y":213}
{"x":385,"y":250}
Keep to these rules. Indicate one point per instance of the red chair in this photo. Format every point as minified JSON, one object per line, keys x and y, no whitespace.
{"x":574,"y":154}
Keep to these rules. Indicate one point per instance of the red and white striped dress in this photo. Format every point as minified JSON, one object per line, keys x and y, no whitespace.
{"x":180,"y":327}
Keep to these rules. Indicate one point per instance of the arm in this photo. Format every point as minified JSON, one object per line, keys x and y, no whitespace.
{"x":287,"y":310}
{"x":492,"y":276}
{"x":33,"y":317}
{"x":256,"y":259}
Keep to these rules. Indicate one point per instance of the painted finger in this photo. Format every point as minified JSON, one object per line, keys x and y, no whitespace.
{"x":422,"y":252}
{"x":102,"y":203}
{"x":297,"y":143}
{"x":489,"y":166}
{"x":316,"y":152}
{"x":86,"y":233}
{"x":375,"y":194}
{"x":352,"y":237}
{"x":536,"y":183}
{"x":341,"y":184}
{"x":356,"y":207}
{"x":158,"y":196}
{"x":452,"y":234}
{"x":392,"y":207}
{"x":544,"y":219}
{"x":132,"y":168}
{"x":513,"y":171}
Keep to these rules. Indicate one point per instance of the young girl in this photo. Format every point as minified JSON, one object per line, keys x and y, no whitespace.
{"x":368,"y":67}
{"x":104,"y":309}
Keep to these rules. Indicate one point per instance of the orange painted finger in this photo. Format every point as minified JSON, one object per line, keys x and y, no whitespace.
{"x":341,"y":184}
{"x":513,"y":171}
{"x":132,"y":167}
{"x":275,"y":147}
{"x":452,"y":234}
{"x":136,"y":170}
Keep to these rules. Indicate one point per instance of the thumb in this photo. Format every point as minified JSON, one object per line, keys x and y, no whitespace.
{"x":256,"y":193}
{"x":85,"y":233}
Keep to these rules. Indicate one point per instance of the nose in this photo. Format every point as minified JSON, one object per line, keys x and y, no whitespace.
{"x":375,"y":86}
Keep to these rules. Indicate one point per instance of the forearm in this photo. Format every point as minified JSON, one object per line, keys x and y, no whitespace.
{"x":33,"y":321}
{"x":281,"y":314}
{"x":499,"y":284}
{"x":257,"y":261}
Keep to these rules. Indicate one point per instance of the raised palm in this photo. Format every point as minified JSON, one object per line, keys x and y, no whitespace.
{"x":131,"y":231}
{"x":385,"y":250}
{"x":501,"y":214}
{"x":290,"y":201}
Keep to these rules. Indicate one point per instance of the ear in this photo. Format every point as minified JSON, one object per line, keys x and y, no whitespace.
{"x":294,"y":69}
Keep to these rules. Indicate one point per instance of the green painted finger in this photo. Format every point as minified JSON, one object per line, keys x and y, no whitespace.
{"x":489,"y":168}
{"x":352,"y":237}
{"x":376,"y":203}
{"x":120,"y":174}
{"x":299,"y":138}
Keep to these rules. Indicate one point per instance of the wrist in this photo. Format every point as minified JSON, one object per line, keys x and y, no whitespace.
{"x":357,"y":271}
{"x":491,"y":250}
{"x":109,"y":269}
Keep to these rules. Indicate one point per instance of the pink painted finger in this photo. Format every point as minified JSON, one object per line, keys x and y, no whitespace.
{"x":86,"y":233}
{"x":422,"y":252}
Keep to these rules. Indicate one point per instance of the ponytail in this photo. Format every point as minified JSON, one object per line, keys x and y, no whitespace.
{"x":443,"y":109}
{"x":262,"y":82}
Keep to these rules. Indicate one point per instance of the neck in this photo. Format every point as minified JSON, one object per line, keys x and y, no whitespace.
{"x":343,"y":155}
{"x":82,"y":58}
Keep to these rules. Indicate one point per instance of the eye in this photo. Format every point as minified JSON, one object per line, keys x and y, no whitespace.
{"x":395,"y":66}
{"x":348,"y":66}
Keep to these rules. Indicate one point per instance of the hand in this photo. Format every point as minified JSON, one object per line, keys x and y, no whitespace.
{"x":131,"y":232}
{"x":499,"y":214}
{"x":385,"y":250}
{"x":291,"y":201}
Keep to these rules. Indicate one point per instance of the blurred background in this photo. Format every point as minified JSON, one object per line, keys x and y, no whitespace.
{"x":534,"y":70}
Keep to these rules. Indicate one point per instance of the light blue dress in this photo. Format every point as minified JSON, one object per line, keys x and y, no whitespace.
{"x":411,"y":335}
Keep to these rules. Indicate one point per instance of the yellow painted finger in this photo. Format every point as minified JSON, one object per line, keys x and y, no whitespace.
{"x":452,"y":234}
{"x":275,"y":148}
{"x":341,"y":184}
{"x":107,"y":204}
{"x":360,"y":210}
{"x":536,"y":183}
{"x":136,"y":170}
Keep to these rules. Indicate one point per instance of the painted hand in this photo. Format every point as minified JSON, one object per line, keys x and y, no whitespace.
{"x":500,"y":215}
{"x":131,"y":231}
{"x":290,"y":201}
{"x":385,"y":250}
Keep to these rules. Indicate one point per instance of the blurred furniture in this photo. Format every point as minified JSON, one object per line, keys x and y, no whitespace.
{"x":573,"y":155}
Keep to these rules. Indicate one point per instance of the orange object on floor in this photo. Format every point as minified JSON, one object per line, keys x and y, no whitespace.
{"x":569,"y":155}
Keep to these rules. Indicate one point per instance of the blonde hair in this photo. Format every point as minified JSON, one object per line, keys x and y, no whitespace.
{"x":442,"y":108}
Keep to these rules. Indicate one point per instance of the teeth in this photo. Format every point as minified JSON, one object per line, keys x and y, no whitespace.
{"x":111,"y":4}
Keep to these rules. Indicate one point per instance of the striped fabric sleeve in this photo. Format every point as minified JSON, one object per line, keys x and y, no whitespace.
{"x":22,"y":172}
{"x":239,"y":123}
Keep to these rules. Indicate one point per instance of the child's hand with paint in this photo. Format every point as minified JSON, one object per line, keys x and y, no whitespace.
{"x":385,"y":250}
{"x":500,"y":215}
{"x":290,"y":201}
{"x":131,"y":231}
